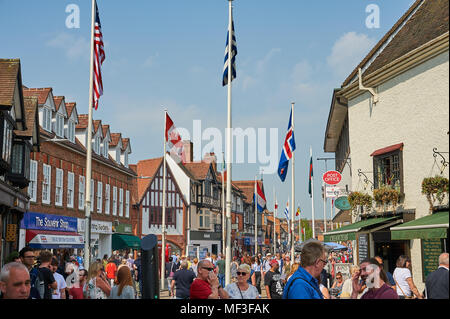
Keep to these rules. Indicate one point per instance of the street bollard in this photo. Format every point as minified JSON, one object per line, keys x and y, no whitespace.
{"x":150,"y":275}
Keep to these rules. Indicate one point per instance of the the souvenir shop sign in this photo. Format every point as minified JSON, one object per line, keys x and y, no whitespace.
{"x":40,"y":221}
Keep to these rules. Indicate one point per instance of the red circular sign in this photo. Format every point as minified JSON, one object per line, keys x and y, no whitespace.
{"x":332,"y":177}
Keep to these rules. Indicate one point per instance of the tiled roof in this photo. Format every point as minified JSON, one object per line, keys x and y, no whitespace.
{"x":248,"y":188}
{"x":30,"y":105}
{"x":40,"y":93}
{"x":198,"y":170}
{"x":97,"y":125}
{"x":69,"y":107}
{"x":115,"y":138}
{"x":125,"y":142}
{"x":9,"y":70}
{"x":82,"y":121}
{"x":58,"y":100}
{"x":427,"y":23}
{"x":146,"y":169}
{"x":105,"y":129}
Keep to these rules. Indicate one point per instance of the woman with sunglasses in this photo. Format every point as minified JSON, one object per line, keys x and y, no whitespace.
{"x":241,"y":289}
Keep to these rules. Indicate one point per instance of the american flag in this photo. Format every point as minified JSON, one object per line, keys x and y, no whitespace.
{"x":99,"y":57}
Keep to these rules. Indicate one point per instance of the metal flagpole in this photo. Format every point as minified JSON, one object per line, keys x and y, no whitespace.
{"x":87,"y":219}
{"x":293,"y":191}
{"x":229,"y":155}
{"x":256,"y":219}
{"x":312,"y":199}
{"x":274,"y":223}
{"x":163,"y":226}
{"x":223,"y":209}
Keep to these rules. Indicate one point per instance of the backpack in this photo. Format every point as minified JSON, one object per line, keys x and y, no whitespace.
{"x":39,"y":284}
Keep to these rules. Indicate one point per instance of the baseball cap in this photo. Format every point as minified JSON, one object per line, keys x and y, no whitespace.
{"x":268,"y":254}
{"x":273,"y":262}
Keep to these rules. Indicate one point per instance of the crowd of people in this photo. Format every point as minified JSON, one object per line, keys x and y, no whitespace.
{"x":311,"y":275}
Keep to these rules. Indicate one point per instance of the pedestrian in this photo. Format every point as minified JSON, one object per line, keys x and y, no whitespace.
{"x":105,"y":261}
{"x":337,"y":285}
{"x":404,"y":282}
{"x":206,"y":285}
{"x":286,"y":265}
{"x":347,"y":287}
{"x":233,"y":269}
{"x":273,"y":282}
{"x":194,"y":266}
{"x":391,"y":281}
{"x":76,"y":291}
{"x":170,"y":270}
{"x":123,"y":288}
{"x":15,"y":281}
{"x":372,"y":273}
{"x":130,"y":263}
{"x":97,"y":286}
{"x":182,"y":281}
{"x":220,"y":264}
{"x":265,"y":266}
{"x":60,"y":291}
{"x":241,"y":289}
{"x":279,"y":259}
{"x":256,"y":266}
{"x":111,"y":270}
{"x":436,"y":284}
{"x":303,"y":284}
{"x":292,"y":270}
{"x":138,"y":273}
{"x":45,"y":281}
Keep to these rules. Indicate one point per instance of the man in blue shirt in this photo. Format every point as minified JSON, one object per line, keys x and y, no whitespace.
{"x":303,"y":284}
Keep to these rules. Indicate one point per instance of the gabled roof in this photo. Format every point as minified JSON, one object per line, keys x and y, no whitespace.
{"x":115,"y":139}
{"x":70,"y":107}
{"x":146,"y":169}
{"x":105,"y":129}
{"x":41,"y":93}
{"x":424,"y":21}
{"x":126,"y":144}
{"x":82,"y":121}
{"x":32,"y":122}
{"x":96,"y":125}
{"x":199,"y":170}
{"x":9,"y":71}
{"x":248,"y":188}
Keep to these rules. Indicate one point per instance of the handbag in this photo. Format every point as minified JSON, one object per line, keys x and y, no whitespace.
{"x":404,"y":295}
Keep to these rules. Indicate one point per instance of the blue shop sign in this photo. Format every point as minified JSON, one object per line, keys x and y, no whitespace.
{"x":40,"y":221}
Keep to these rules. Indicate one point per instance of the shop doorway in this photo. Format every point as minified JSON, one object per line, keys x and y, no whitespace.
{"x":390,"y":251}
{"x":214,"y":249}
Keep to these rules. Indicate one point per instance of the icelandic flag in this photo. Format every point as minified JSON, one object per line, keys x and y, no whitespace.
{"x":260,"y":199}
{"x":286,"y":152}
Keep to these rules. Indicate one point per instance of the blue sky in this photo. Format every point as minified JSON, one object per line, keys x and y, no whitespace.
{"x":169,"y":55}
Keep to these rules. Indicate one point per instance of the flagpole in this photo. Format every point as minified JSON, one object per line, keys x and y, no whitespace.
{"x":163,"y":226}
{"x":256,"y":219}
{"x":274,"y":222}
{"x":223,"y":208}
{"x":293,"y":190}
{"x":312,"y":199}
{"x":229,"y":157}
{"x":87,"y":219}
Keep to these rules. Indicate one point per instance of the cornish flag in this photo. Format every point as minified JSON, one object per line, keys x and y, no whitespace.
{"x":286,"y":152}
{"x":260,"y":199}
{"x":173,"y":140}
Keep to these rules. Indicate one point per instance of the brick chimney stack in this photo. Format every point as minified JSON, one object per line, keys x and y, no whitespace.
{"x":211,"y":158}
{"x":189,"y":151}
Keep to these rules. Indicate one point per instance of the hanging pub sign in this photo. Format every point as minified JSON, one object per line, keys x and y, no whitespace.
{"x":342,"y":203}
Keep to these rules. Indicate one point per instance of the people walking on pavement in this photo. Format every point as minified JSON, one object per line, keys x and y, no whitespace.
{"x":303,"y":284}
{"x":45,"y":281}
{"x":371,"y":272}
{"x":241,"y":289}
{"x":265,"y":265}
{"x":220,"y":264}
{"x":60,"y":291}
{"x":273,"y":282}
{"x":170,"y":269}
{"x":436,"y":284}
{"x":233,"y":269}
{"x":194,"y":266}
{"x":182,"y":281}
{"x":15,"y":281}
{"x":111,"y":270}
{"x":28,"y":258}
{"x":206,"y":285}
{"x":123,"y":288}
{"x":404,"y":282}
{"x":97,"y":286}
{"x":77,"y":290}
{"x":256,"y":266}
{"x":138,"y":273}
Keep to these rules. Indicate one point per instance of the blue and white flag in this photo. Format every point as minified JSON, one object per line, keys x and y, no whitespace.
{"x":287,"y":150}
{"x":286,"y":211}
{"x":233,"y":58}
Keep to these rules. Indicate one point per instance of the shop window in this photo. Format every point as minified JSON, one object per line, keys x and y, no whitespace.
{"x":388,"y":170}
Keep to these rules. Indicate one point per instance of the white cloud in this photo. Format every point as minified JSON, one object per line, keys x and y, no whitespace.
{"x":348,"y":51}
{"x":74,"y":47}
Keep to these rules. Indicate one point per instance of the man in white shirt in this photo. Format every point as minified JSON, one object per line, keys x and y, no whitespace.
{"x":60,"y":291}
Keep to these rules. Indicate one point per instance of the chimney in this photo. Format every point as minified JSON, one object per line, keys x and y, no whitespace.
{"x":211,"y":158}
{"x":188,"y":151}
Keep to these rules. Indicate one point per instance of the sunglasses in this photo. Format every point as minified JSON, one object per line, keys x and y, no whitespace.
{"x":324,"y":261}
{"x":209,"y":269}
{"x":241,"y":273}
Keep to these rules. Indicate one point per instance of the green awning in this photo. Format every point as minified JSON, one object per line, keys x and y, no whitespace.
{"x":122,"y":241}
{"x":348,"y":232}
{"x":428,"y":227}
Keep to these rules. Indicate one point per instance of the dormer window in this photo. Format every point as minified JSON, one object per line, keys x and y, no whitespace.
{"x":125,"y":159}
{"x":59,"y":125}
{"x":105,"y":148}
{"x":97,"y":142}
{"x":46,"y":119}
{"x":118,"y":155}
{"x":71,"y":131}
{"x":6,"y":129}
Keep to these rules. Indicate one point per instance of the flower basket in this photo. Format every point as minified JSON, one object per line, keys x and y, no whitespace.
{"x":358,"y":199}
{"x":386,"y":196}
{"x":435,"y":189}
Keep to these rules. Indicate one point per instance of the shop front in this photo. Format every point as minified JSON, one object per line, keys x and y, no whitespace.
{"x":205,"y":242}
{"x":101,"y":236}
{"x":45,"y":231}
{"x":123,"y":238}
